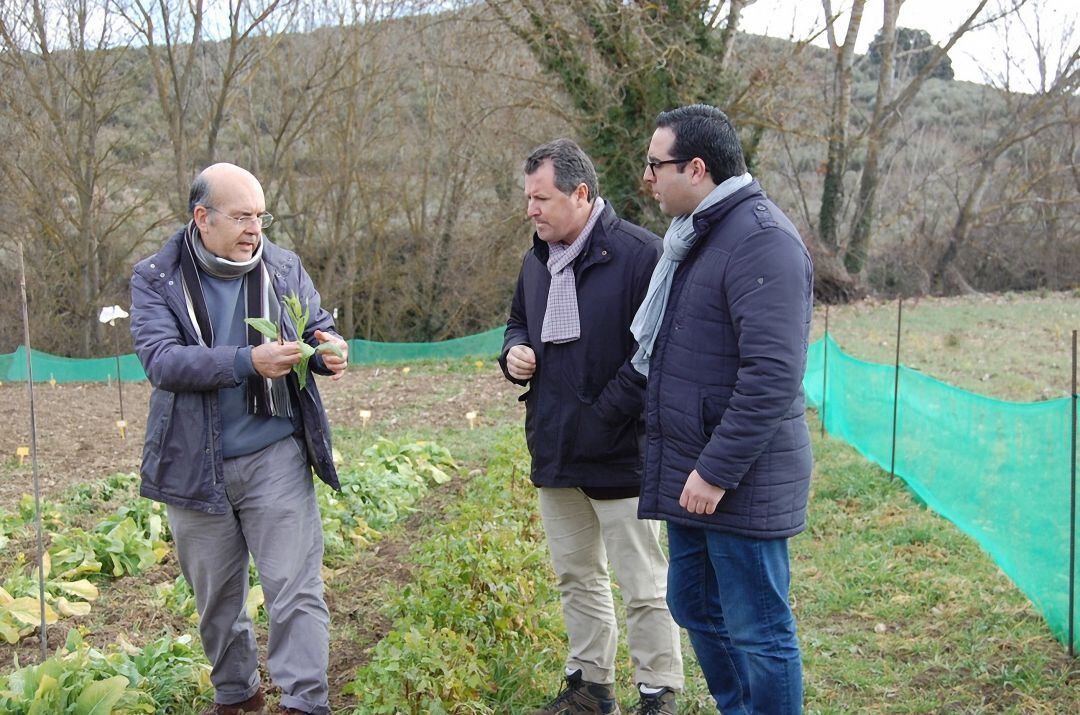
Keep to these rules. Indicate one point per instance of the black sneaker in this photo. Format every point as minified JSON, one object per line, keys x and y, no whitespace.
{"x":662,"y":703}
{"x":580,"y":697}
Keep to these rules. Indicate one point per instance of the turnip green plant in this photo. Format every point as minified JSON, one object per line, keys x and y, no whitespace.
{"x":299,"y":314}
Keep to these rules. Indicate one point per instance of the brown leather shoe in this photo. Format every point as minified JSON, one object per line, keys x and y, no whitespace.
{"x":580,"y":697}
{"x":255,"y":705}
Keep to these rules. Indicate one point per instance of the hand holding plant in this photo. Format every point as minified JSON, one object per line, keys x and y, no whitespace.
{"x":299,"y":314}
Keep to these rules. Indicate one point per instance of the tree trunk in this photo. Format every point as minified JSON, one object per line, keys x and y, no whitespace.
{"x":832,"y":283}
{"x":832,"y":195}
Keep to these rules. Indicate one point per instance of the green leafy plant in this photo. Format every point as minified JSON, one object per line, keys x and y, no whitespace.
{"x":20,"y":603}
{"x":482,"y":616}
{"x":166,"y":675}
{"x":299,"y":314}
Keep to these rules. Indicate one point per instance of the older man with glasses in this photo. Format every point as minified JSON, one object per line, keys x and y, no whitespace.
{"x":231,"y":438}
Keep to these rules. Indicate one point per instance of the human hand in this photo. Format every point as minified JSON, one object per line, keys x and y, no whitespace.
{"x":698,"y":496}
{"x":332,"y":362}
{"x":274,"y":360}
{"x":521,"y":362}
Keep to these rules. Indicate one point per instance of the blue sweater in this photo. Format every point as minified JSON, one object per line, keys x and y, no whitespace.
{"x":241,"y":433}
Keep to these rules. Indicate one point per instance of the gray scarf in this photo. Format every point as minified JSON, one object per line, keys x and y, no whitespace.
{"x":217,"y":266}
{"x":264,"y":396}
{"x":678,"y":241}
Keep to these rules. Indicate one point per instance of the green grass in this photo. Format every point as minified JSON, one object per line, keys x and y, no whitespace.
{"x":898,"y":611}
{"x":1011,"y":346}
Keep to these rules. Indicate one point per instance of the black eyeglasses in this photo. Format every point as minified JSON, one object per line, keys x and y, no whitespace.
{"x":653,"y":164}
{"x":263,"y":220}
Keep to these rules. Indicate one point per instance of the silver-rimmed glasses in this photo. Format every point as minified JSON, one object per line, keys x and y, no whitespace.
{"x":263,"y":220}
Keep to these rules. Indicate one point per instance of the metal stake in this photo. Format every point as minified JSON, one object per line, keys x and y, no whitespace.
{"x":824,"y":369}
{"x":33,"y":460}
{"x":119,"y":382}
{"x":896,"y":384}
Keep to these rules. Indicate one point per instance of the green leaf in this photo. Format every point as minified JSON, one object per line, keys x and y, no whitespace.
{"x":329,"y":348}
{"x":264,"y":326}
{"x":99,"y":697}
{"x":45,"y":696}
{"x":306,"y":350}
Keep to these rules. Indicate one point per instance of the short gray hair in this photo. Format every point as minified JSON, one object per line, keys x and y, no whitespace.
{"x":199,"y":194}
{"x":571,"y":164}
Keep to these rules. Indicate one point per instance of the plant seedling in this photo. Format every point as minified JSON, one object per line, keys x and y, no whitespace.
{"x":299,"y":314}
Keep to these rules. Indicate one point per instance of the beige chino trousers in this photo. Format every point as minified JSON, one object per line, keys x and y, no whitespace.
{"x":582,"y":535}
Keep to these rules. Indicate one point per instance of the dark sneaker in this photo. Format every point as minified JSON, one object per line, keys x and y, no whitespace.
{"x":255,"y":705}
{"x":291,"y":711}
{"x":662,"y":703}
{"x":580,"y":697}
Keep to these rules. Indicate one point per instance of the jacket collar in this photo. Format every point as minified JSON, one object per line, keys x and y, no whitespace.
{"x":713,"y":215}
{"x":279,"y":262}
{"x":598,"y":250}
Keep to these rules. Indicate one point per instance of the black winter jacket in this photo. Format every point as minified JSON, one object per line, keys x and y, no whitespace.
{"x":725,"y":377}
{"x":583,"y":409}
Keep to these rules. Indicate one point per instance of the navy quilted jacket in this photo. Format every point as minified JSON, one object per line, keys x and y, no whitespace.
{"x":725,"y":379}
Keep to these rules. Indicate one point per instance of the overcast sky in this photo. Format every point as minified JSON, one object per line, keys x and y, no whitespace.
{"x":973,"y":55}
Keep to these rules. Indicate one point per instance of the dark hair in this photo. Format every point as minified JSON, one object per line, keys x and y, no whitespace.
{"x":571,"y":164}
{"x":705,"y":132}
{"x":200,"y":193}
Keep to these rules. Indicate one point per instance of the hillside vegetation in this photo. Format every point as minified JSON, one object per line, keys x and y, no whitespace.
{"x":389,"y":140}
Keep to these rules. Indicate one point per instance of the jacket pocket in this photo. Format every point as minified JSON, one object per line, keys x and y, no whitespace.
{"x":713,"y":404}
{"x":595,"y":440}
{"x":158,"y":421}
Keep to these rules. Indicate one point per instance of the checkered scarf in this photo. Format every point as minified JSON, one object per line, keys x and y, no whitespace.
{"x":561,"y":321}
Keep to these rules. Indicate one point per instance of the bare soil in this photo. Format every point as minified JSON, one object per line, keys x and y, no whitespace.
{"x":78,"y":439}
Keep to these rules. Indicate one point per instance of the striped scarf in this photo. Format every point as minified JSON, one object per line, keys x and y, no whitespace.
{"x":265,"y":396}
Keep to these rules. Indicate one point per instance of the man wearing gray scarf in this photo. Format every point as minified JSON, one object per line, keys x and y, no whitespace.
{"x":568,"y":339}
{"x":231,"y":440}
{"x":723,"y":334}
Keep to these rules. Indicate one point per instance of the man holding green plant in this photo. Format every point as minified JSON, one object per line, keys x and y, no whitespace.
{"x":227,"y":325}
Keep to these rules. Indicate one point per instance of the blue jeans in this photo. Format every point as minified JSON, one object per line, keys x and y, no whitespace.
{"x":730,"y":593}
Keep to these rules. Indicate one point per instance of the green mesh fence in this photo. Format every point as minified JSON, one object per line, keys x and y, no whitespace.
{"x":361,"y":352}
{"x":48,"y":367}
{"x":998,"y":470}
{"x":480,"y":345}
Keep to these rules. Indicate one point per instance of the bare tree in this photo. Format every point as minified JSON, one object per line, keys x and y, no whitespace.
{"x":889,"y":108}
{"x":67,"y":85}
{"x":831,"y":278}
{"x":195,"y":78}
{"x":1048,"y":115}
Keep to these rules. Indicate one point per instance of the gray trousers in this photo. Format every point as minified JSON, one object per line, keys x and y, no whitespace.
{"x":275,"y":518}
{"x":582,"y":534}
